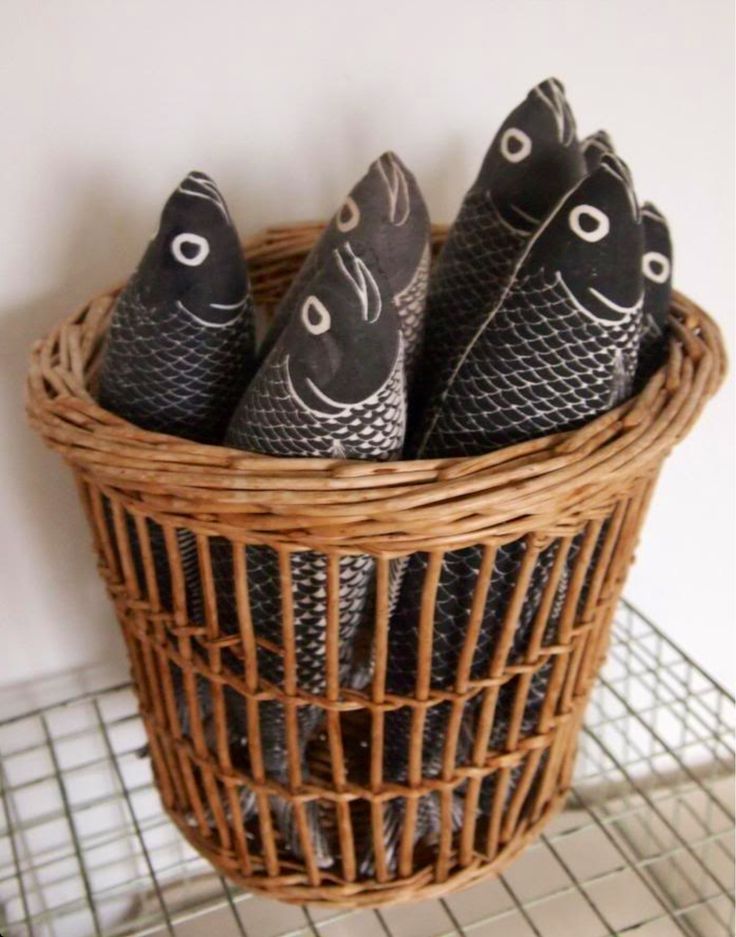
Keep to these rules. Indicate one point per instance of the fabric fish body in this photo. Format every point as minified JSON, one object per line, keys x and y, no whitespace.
{"x":180,"y":348}
{"x":562,"y":345}
{"x":559,"y":348}
{"x":333,"y":385}
{"x":179,"y":351}
{"x":385,"y":214}
{"x":657,"y":267}
{"x":534,"y":159}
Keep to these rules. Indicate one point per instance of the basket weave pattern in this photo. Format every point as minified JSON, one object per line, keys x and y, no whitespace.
{"x":587,"y":491}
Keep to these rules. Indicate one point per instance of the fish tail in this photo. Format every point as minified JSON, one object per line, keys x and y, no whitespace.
{"x":247,"y":800}
{"x":393,"y":823}
{"x":286,"y":820}
{"x":427,"y":827}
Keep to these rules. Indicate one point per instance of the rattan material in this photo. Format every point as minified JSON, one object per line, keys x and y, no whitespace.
{"x":591,"y":486}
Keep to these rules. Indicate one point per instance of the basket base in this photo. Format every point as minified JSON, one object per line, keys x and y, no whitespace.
{"x":292,"y":886}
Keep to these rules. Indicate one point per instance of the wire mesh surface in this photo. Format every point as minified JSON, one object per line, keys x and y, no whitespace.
{"x":645,"y":843}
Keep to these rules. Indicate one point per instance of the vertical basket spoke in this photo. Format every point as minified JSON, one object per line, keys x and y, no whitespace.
{"x":255,"y":749}
{"x":378,"y":697}
{"x":334,"y":725}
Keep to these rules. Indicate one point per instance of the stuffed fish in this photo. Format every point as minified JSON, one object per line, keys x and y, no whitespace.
{"x":657,"y":266}
{"x":181,"y":343}
{"x":562,"y":344}
{"x":534,"y":159}
{"x":559,"y":348}
{"x":333,"y":385}
{"x":179,"y":352}
{"x":384,"y":213}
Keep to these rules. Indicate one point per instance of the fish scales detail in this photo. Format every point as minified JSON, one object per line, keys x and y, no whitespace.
{"x":333,"y":385}
{"x":559,"y":348}
{"x":523,"y":385}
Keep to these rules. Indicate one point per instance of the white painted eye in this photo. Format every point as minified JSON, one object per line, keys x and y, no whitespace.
{"x":515,"y":145}
{"x":656,"y":266}
{"x":348,"y":216}
{"x":315,"y":316}
{"x":589,"y":223}
{"x":190,"y":249}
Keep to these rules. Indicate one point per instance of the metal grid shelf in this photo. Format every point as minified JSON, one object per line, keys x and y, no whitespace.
{"x":645,"y":844}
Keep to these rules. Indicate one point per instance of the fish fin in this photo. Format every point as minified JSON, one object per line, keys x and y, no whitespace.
{"x":247,"y":801}
{"x":362,"y":673}
{"x":427,"y":827}
{"x":393,"y":824}
{"x":284,"y":811}
{"x":458,"y":807}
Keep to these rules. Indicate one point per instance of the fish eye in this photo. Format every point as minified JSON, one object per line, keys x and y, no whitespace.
{"x":190,"y":249}
{"x":349,"y":215}
{"x":656,"y":266}
{"x":315,"y":316}
{"x":589,"y":223}
{"x":515,"y":145}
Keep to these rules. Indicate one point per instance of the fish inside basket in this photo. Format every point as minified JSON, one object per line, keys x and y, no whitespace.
{"x":571,"y":505}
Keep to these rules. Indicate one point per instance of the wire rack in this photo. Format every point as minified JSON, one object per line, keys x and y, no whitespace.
{"x":645,"y":844}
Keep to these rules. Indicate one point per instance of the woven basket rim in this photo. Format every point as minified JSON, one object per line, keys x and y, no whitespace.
{"x":362,"y":504}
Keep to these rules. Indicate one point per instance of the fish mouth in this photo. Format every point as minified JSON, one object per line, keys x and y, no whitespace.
{"x":306,"y":393}
{"x":511,"y":216}
{"x":599,"y":307}
{"x":217,"y":315}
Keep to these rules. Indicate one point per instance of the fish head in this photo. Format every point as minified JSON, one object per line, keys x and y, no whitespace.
{"x":534,"y":158}
{"x":593,"y":244}
{"x":386,"y":212}
{"x":342,"y":342}
{"x":595,"y":147}
{"x":656,"y":263}
{"x":195,"y":259}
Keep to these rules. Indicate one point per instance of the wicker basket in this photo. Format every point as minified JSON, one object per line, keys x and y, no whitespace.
{"x":586,"y":490}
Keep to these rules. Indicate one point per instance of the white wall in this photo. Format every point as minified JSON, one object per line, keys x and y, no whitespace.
{"x":106,"y":104}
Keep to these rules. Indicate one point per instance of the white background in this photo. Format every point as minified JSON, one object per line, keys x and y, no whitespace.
{"x":105,"y":105}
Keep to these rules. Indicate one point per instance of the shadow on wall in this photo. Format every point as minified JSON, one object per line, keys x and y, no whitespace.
{"x":57,"y":560}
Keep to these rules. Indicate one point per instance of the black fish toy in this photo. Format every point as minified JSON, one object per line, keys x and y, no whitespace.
{"x":180,"y":348}
{"x":384,"y":213}
{"x":595,"y":147}
{"x":657,"y":267}
{"x":179,"y":352}
{"x":534,"y":159}
{"x":559,"y":348}
{"x":333,"y":385}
